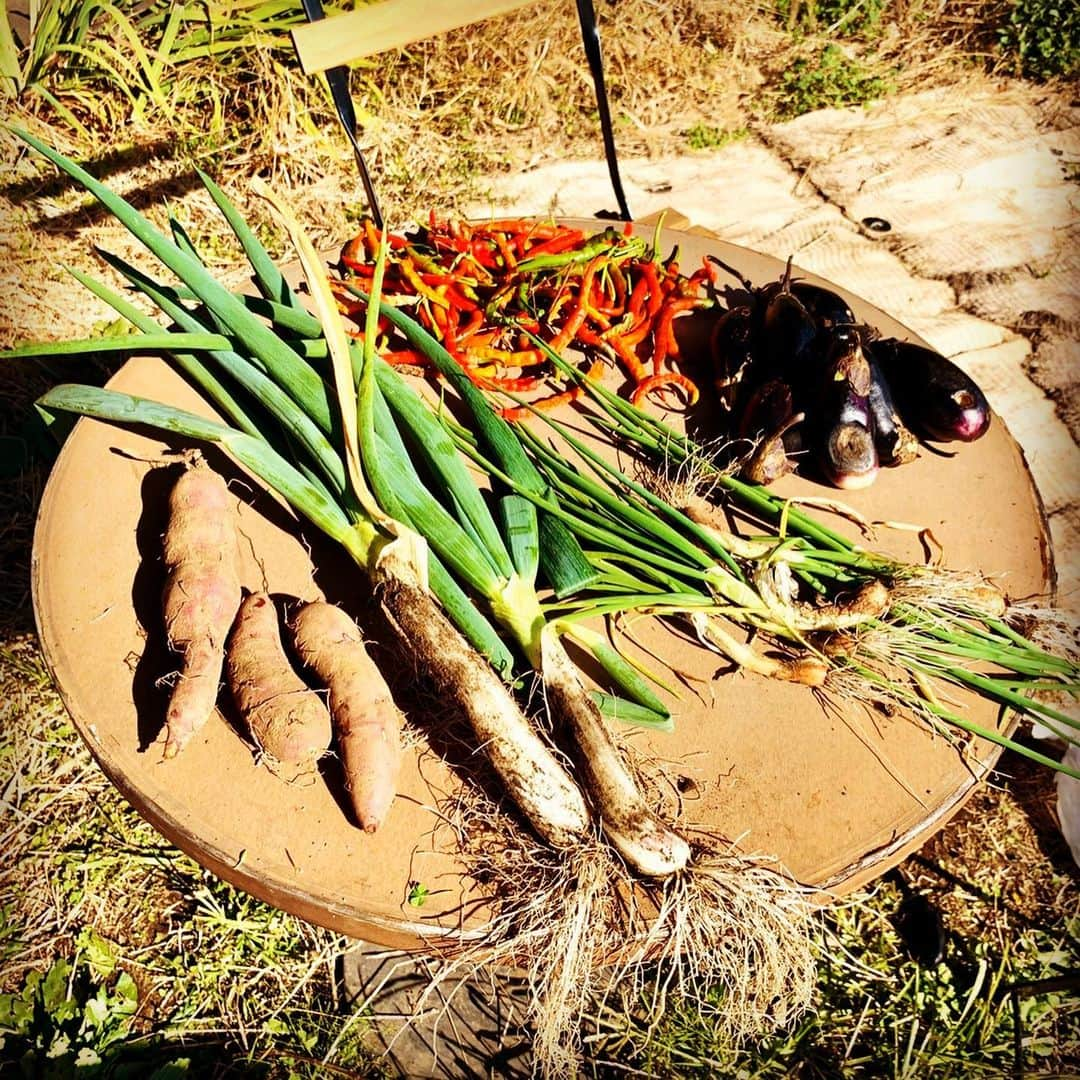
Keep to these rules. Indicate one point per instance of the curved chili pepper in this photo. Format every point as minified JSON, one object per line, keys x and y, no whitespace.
{"x":564,"y":397}
{"x":661,"y":381}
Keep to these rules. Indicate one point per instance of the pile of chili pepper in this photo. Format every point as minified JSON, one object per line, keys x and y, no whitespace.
{"x":488,"y":291}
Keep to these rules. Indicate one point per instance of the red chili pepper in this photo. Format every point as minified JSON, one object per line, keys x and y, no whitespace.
{"x":472,"y":325}
{"x":352,"y":251}
{"x":516,"y":226}
{"x":576,"y":317}
{"x":664,"y":342}
{"x":450,"y":331}
{"x":363,"y":269}
{"x":406,"y":357}
{"x":482,"y":253}
{"x":520,"y":385}
{"x":654,"y":297}
{"x":637,"y":296}
{"x":561,"y":241}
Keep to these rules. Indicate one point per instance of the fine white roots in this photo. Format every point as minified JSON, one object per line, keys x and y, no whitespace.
{"x":587,"y":935}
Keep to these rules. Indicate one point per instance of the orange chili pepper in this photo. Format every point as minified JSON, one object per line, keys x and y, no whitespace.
{"x":520,"y":385}
{"x":654,"y":295}
{"x":521,"y":412}
{"x":503,"y":245}
{"x":561,"y":241}
{"x":576,"y":317}
{"x":508,"y":357}
{"x":664,"y":343}
{"x":661,"y":381}
{"x":628,"y":356}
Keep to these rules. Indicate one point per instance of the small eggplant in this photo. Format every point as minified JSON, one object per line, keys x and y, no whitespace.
{"x":788,"y":331}
{"x":769,"y":460}
{"x":896,"y":445}
{"x":766,"y":408}
{"x":731,"y":347}
{"x":828,"y":308}
{"x":824,"y":305}
{"x":768,"y":417}
{"x":848,"y":455}
{"x":934,"y":396}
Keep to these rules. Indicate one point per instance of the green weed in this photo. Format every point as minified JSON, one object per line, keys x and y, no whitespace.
{"x":1043,"y":37}
{"x":706,"y":137}
{"x":119,"y":954}
{"x":880,"y":1014}
{"x":832,"y":16}
{"x":829,"y":79}
{"x":67,"y":1020}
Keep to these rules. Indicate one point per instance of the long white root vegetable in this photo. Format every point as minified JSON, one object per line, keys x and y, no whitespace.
{"x":286,"y":719}
{"x":366,"y":722}
{"x":534,"y":778}
{"x":645,"y":841}
{"x":201,"y":595}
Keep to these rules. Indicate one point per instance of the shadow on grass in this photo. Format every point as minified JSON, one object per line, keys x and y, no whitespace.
{"x":115,"y":162}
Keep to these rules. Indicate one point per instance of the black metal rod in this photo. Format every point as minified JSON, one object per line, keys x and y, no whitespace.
{"x":590,"y":36}
{"x":338,"y":80}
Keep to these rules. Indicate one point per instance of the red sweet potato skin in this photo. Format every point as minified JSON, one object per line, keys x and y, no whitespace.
{"x":286,"y":719}
{"x":201,"y":595}
{"x":366,"y":721}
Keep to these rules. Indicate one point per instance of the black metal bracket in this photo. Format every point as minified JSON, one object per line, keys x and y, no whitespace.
{"x":590,"y":36}
{"x":338,"y":80}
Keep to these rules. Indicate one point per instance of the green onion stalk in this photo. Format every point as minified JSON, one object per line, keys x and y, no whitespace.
{"x":876,"y":628}
{"x":353,"y":448}
{"x":305,"y":438}
{"x":355,"y":451}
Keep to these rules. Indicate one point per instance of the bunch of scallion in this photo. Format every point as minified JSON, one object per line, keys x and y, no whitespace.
{"x":353,"y":448}
{"x":899,"y":634}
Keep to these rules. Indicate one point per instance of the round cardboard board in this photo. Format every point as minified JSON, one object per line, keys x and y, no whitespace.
{"x":837,"y":795}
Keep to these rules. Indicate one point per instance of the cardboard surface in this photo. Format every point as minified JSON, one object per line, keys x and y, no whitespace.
{"x":838,"y":795}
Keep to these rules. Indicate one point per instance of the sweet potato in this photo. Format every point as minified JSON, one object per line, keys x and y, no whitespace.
{"x":201,"y":595}
{"x":366,"y":721}
{"x":286,"y":719}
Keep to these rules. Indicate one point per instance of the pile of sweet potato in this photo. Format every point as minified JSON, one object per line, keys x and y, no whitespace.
{"x":213,"y":626}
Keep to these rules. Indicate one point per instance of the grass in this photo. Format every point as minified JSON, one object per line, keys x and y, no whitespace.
{"x":117,"y":949}
{"x":117,"y":946}
{"x":1004,"y":998}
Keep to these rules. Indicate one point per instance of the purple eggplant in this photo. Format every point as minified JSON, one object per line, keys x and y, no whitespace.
{"x":770,"y":458}
{"x":933,"y":395}
{"x":824,"y":305}
{"x":896,"y":444}
{"x":827,"y":307}
{"x":788,"y":332}
{"x":843,"y":419}
{"x":768,"y":417}
{"x":731,"y":345}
